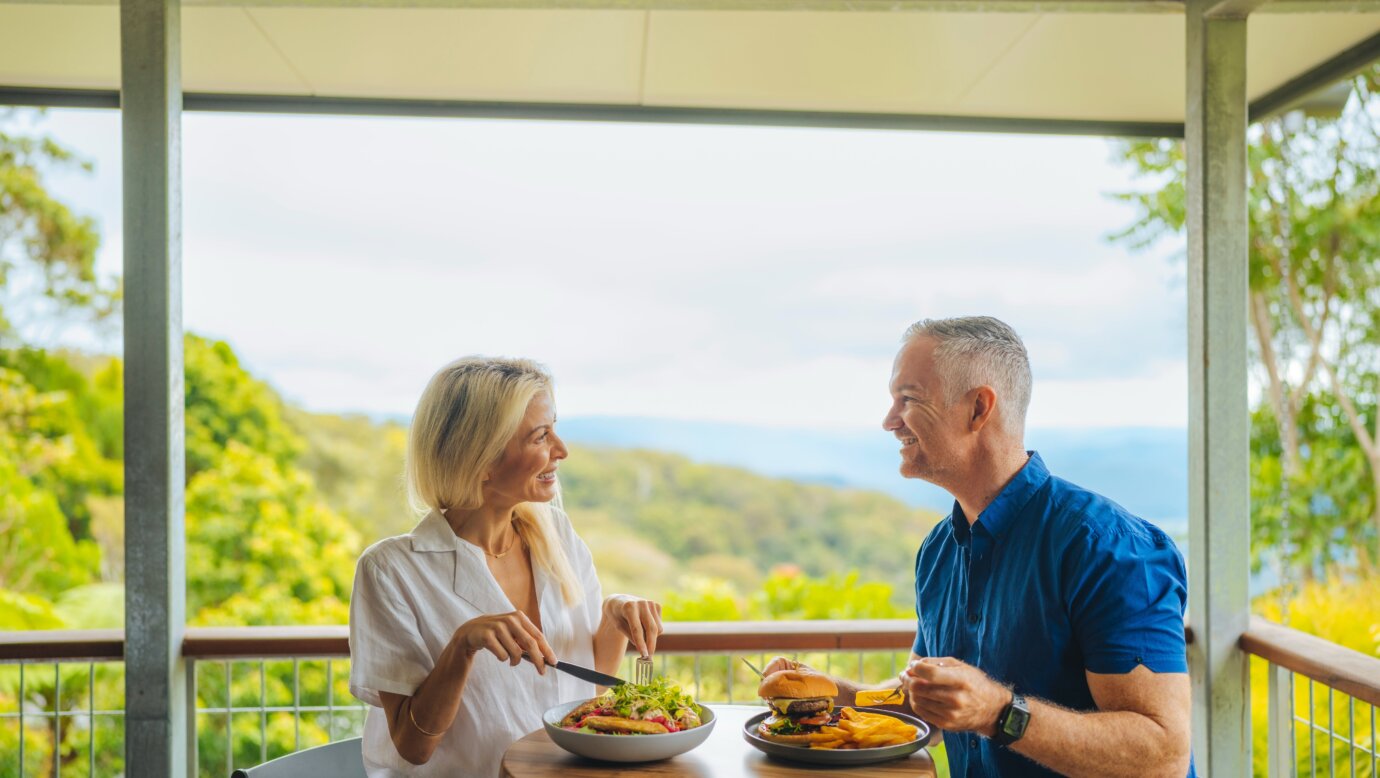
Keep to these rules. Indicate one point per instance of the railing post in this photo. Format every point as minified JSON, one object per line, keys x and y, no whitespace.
{"x":1218,"y":408}
{"x":193,"y":768}
{"x":1281,"y":722}
{"x":155,"y":575}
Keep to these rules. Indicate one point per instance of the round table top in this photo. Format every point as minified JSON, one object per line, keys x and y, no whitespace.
{"x":724,"y":755}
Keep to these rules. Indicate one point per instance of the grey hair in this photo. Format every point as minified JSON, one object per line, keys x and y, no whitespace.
{"x":973,"y":351}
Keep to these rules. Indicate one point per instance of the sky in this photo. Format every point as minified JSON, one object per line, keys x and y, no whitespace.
{"x":734,"y":274}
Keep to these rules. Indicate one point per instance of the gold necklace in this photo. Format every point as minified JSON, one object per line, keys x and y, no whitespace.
{"x":505,"y":551}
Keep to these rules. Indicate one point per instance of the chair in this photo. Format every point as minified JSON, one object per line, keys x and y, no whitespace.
{"x":341,"y":759}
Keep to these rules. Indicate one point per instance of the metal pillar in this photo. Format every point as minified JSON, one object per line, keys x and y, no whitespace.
{"x":1218,"y":415}
{"x":155,"y":570}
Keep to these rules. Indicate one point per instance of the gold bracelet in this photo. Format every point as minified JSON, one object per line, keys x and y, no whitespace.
{"x":419,"y":726}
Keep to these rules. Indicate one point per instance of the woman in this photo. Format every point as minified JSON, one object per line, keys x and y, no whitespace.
{"x":440,"y":618}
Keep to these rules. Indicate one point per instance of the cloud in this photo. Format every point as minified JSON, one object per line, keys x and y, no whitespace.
{"x":742,"y":274}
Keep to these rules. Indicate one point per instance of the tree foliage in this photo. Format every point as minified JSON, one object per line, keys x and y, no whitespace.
{"x":46,"y":250}
{"x":1314,"y":317}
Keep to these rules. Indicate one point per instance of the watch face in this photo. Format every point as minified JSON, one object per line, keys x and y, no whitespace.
{"x":1016,"y":721}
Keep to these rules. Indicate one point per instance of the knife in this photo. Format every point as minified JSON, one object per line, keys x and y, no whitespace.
{"x":584,"y":673}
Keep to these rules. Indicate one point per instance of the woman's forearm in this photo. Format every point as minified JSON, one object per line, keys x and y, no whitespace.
{"x":609,"y":647}
{"x":417,"y":724}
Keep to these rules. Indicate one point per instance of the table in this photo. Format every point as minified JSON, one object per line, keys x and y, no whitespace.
{"x":724,"y":755}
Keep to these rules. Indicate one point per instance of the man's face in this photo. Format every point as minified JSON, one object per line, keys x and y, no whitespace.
{"x":930,"y":431}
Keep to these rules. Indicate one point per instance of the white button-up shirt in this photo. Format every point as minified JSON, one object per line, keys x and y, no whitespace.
{"x":411,"y":592}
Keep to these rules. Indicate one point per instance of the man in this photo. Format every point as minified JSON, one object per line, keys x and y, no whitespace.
{"x":1050,"y":621}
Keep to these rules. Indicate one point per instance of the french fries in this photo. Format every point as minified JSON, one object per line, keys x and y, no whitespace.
{"x":858,"y":729}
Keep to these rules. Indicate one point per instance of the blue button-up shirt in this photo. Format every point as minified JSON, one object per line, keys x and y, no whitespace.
{"x":1050,"y":582}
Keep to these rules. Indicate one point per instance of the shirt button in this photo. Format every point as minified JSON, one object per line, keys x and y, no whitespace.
{"x":973,"y":618}
{"x":972,"y":743}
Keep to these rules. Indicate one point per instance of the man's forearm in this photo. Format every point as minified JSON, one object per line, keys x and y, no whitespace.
{"x":1113,"y":743}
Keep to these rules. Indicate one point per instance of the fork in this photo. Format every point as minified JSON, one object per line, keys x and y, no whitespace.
{"x":642,"y":671}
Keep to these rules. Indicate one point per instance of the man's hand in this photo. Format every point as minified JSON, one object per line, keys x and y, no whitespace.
{"x":779,"y":663}
{"x":954,"y":696}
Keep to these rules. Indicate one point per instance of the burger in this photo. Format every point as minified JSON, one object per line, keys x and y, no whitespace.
{"x":801,"y":703}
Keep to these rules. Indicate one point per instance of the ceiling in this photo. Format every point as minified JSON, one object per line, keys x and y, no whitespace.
{"x":1081,"y":66}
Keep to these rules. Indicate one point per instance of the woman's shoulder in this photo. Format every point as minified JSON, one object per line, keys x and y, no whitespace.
{"x":386,"y":554}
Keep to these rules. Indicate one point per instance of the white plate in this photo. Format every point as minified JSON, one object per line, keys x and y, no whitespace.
{"x":624,"y":748}
{"x":836,"y":756}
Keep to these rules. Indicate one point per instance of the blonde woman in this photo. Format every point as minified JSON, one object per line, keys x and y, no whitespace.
{"x":440,"y":617}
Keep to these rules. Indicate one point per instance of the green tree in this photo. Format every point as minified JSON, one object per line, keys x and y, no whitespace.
{"x":1314,"y":317}
{"x":226,"y":404}
{"x":47,"y":252}
{"x":262,"y":547}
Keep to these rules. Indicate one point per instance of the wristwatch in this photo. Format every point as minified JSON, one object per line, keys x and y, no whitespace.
{"x":1012,"y":722}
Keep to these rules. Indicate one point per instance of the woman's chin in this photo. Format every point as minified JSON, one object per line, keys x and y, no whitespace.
{"x":542,"y":492}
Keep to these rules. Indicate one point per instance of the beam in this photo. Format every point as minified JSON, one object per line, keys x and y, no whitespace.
{"x":1233,"y":9}
{"x":1344,"y":65}
{"x":155,"y":567}
{"x":643,"y":114}
{"x":947,"y":6}
{"x":1218,"y":414}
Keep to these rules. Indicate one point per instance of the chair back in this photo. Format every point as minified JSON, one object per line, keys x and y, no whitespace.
{"x":341,"y":759}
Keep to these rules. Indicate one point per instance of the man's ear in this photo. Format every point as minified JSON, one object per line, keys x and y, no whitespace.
{"x":984,"y":407}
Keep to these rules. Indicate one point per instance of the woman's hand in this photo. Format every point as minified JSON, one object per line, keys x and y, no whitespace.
{"x":636,"y":619}
{"x":507,"y":636}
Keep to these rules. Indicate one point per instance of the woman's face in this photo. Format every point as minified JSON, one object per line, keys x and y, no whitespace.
{"x":527,"y":470}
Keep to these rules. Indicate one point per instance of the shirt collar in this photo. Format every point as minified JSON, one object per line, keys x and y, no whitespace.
{"x":996,"y":518}
{"x":433,"y":533}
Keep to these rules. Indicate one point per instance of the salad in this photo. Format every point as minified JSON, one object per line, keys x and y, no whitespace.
{"x":655,"y":708}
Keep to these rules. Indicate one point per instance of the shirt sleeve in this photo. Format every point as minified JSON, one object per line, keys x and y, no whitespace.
{"x":1126,"y":601}
{"x":387,"y":653}
{"x":919,"y":649}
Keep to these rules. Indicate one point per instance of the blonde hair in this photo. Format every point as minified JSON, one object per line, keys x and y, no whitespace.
{"x":467,"y":414}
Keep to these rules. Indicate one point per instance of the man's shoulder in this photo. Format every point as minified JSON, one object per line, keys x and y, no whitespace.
{"x":1075,"y":511}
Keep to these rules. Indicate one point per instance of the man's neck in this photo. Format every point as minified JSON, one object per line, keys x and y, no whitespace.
{"x":990,"y":473}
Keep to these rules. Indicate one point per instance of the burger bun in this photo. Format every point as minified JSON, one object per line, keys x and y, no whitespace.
{"x":800,"y":739}
{"x":795,"y":684}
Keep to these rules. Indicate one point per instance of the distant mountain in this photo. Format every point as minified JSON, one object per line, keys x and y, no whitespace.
{"x":1143,"y":469}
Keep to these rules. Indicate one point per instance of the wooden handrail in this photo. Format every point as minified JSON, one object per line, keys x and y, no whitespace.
{"x":100,"y":645}
{"x":1338,"y":667}
{"x":333,"y":641}
{"x":257,"y":642}
{"x":680,"y":637}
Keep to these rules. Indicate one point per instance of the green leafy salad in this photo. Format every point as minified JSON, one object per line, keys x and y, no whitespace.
{"x":651,"y":708}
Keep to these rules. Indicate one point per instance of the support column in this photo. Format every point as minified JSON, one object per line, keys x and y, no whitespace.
{"x":1218,"y":414}
{"x":155,"y":571}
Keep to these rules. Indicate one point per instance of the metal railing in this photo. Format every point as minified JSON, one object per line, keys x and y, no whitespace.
{"x":1312,"y":687}
{"x":258,"y":692}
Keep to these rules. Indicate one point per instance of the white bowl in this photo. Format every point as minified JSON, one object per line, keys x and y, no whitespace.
{"x":624,"y":748}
